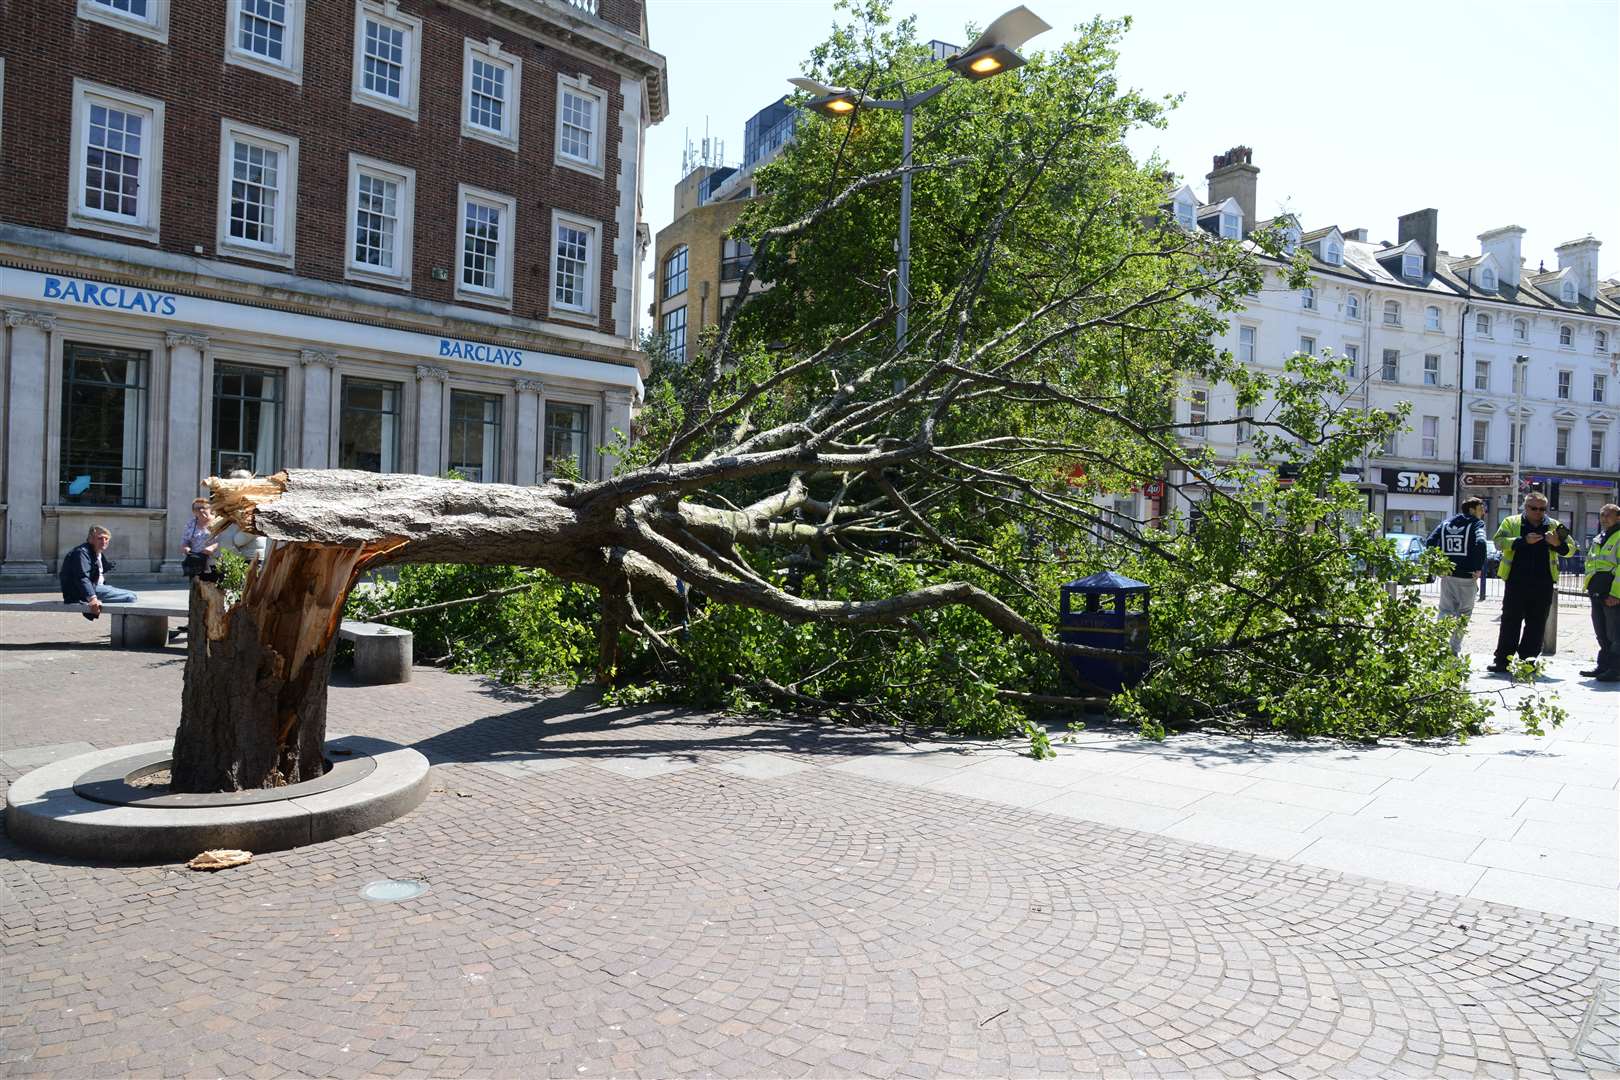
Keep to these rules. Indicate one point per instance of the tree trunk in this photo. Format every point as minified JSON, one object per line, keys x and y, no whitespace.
{"x":253,"y":711}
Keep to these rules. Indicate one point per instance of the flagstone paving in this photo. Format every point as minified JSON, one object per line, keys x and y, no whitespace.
{"x":641,"y":892}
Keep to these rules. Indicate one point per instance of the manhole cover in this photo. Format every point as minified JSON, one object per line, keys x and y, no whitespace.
{"x":389,"y":889}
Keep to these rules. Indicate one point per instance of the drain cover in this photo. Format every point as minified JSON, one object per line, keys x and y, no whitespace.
{"x":389,"y":890}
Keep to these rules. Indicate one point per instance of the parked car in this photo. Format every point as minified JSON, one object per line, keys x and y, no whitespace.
{"x":1410,"y":546}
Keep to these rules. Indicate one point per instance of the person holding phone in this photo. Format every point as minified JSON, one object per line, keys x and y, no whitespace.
{"x":1531,"y":544}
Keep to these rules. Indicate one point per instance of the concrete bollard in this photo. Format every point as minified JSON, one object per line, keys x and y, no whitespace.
{"x":1549,"y":640}
{"x":383,"y":655}
{"x":138,"y":631}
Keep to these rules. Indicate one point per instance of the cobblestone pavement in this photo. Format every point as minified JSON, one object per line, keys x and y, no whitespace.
{"x":643,"y":893}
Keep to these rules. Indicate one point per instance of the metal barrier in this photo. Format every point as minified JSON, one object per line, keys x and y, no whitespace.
{"x":1570,"y":592}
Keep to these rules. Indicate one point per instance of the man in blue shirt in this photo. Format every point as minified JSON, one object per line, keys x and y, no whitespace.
{"x":1462,"y":540}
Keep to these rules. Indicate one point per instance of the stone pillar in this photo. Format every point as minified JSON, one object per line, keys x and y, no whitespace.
{"x":526,"y":469}
{"x":27,"y":402}
{"x":615,"y":421}
{"x":187,"y":458}
{"x":316,"y":438}
{"x":430,"y":406}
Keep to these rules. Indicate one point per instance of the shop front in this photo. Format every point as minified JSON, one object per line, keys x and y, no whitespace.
{"x":1418,"y":499}
{"x":120,"y":400}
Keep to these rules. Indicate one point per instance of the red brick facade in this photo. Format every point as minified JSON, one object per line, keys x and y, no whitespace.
{"x":46,"y":45}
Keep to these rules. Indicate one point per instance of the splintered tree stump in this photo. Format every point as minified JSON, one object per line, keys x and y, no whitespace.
{"x":253,"y":711}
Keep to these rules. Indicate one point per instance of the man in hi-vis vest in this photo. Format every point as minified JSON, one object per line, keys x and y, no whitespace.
{"x":1603,"y":589}
{"x":1530,"y":544}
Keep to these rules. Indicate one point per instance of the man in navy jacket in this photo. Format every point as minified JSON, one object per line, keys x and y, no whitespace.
{"x":84,"y":575}
{"x":1462,"y":540}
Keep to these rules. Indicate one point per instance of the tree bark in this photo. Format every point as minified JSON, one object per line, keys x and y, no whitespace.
{"x":253,"y":710}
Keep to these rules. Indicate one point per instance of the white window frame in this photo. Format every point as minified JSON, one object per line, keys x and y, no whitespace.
{"x":1251,"y":345}
{"x":1411,"y":266}
{"x":1307,"y":298}
{"x":1482,"y":374}
{"x":1186,"y":215}
{"x":286,"y":224}
{"x":154,"y":26}
{"x":1352,"y":353}
{"x":1600,"y":387}
{"x":149,"y":203}
{"x":593,"y":266}
{"x":1487,"y":278}
{"x":1481,"y":447}
{"x":581,"y":86}
{"x":1385,"y":371}
{"x":1521,"y":329}
{"x":1482,"y":324}
{"x":1231,"y":226}
{"x":490,"y":52}
{"x":1567,"y":292}
{"x":1392,"y":313}
{"x":1566,"y":336}
{"x":1198,"y":413}
{"x":1561,"y":447}
{"x":1307,"y":345}
{"x":501,"y":296}
{"x":1600,"y":339}
{"x":1564,"y":385}
{"x":1431,"y":372}
{"x":292,"y":66}
{"x":1433,"y":318}
{"x":1352,"y":306}
{"x":387,"y":11}
{"x":1429,"y":435}
{"x":405,"y":237}
{"x":1599,"y":447}
{"x":1334,"y":254}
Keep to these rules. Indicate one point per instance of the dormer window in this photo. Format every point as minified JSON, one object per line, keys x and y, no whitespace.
{"x":1352,"y":306}
{"x":1412,"y":266}
{"x":1307,"y":298}
{"x":1521,"y":330}
{"x":1392,"y":313}
{"x":1290,"y":240}
{"x":1487,"y":278}
{"x":1568,"y":292}
{"x":1334,"y":254}
{"x":1482,"y":325}
{"x":1230,"y":227}
{"x":1431,"y":318}
{"x":1186,"y":216}
{"x":1566,"y":335}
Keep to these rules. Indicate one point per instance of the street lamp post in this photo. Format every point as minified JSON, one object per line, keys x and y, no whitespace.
{"x":991,"y":53}
{"x":1516,"y":428}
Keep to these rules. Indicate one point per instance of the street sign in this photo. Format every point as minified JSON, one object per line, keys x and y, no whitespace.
{"x":1486,"y":479}
{"x":1154,"y":489}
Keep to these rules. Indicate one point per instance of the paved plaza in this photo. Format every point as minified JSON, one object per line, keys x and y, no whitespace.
{"x":650,"y":893}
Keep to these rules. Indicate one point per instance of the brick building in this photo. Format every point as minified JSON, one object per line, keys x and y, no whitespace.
{"x":394,"y":235}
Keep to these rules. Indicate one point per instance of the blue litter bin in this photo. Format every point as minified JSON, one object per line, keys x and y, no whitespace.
{"x":1097,"y":611}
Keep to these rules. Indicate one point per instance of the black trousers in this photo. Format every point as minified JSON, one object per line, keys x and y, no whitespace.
{"x":1524,"y":620}
{"x":1606,"y":622}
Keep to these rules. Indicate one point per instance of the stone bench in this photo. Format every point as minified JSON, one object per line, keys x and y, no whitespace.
{"x":382,"y":654}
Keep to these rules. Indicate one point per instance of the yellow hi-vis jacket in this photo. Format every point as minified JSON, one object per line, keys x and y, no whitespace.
{"x":1605,"y":555}
{"x":1510,"y":530}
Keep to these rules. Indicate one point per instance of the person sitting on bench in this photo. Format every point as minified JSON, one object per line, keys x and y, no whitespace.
{"x":84,"y":575}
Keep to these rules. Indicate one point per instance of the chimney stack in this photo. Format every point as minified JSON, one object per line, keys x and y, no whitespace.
{"x":1504,"y":245}
{"x":1233,"y":177}
{"x":1581,"y":256}
{"x":1424,"y":227}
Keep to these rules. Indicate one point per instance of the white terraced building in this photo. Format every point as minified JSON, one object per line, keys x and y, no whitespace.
{"x":1439,"y":331}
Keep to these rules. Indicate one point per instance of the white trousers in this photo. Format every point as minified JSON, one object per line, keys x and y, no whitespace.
{"x":1457,"y":596}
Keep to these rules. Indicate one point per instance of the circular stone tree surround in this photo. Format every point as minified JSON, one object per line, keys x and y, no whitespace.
{"x":84,"y":807}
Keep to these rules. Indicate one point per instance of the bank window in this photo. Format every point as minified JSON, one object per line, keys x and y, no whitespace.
{"x":148,"y":18}
{"x":675,"y":272}
{"x":1597,"y":449}
{"x":368,"y":429}
{"x":258,"y":177}
{"x":1482,"y":438}
{"x":117,"y":164}
{"x":1431,"y":370}
{"x":568,"y":441}
{"x":1565,"y":379}
{"x":387,"y":57}
{"x":1246,"y":336}
{"x":247,"y":419}
{"x":491,"y":89}
{"x":1431,"y":436}
{"x":1198,"y":413}
{"x":580,"y":109}
{"x":382,"y":217}
{"x":267,"y":35}
{"x":103,"y":446}
{"x":484,"y":257}
{"x":475,"y":436}
{"x":1392,"y":366}
{"x":675,"y":332}
{"x":1600,"y":387}
{"x":573,"y":265}
{"x":1482,"y":374}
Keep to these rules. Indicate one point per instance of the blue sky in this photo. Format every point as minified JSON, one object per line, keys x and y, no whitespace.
{"x":1495,"y":113}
